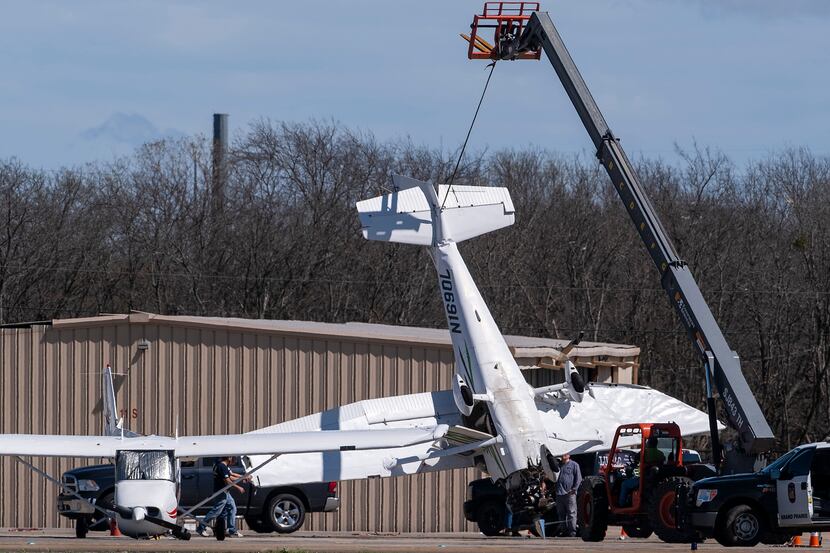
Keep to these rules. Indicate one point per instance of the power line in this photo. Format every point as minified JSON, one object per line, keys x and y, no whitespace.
{"x":384,"y":282}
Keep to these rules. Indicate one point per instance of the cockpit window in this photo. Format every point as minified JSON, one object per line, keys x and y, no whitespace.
{"x":145,"y":465}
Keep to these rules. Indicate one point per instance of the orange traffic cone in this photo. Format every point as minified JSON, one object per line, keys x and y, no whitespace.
{"x":114,"y":531}
{"x":623,"y":535}
{"x":796,"y":541}
{"x":815,"y":539}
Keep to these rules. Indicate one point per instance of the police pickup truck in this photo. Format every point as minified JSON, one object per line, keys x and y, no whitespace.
{"x":265,"y":509}
{"x":788,"y":497}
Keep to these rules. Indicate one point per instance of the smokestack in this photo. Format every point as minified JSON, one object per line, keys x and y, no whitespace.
{"x":220,"y":151}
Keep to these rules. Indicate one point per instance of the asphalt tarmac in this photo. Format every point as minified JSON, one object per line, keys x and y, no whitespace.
{"x":336,"y":542}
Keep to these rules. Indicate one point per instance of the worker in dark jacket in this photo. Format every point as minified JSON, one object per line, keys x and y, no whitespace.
{"x":569,"y":479}
{"x":224,"y":505}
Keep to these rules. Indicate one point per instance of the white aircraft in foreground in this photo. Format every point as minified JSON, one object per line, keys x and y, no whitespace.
{"x":496,"y":420}
{"x":147,"y":468}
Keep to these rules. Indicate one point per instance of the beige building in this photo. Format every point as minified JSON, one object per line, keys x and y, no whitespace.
{"x":214,"y":375}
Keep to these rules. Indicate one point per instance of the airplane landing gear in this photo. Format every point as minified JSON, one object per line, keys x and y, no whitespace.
{"x":220,"y":528}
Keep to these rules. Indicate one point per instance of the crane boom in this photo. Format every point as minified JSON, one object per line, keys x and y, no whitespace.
{"x":723,"y":365}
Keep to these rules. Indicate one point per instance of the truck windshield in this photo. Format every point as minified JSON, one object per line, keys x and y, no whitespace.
{"x":780,"y":462}
{"x":145,"y":465}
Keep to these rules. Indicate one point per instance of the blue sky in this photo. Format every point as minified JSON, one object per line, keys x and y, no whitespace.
{"x":86,"y":80}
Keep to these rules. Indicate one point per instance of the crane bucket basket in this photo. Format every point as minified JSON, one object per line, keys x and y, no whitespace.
{"x":508,"y":19}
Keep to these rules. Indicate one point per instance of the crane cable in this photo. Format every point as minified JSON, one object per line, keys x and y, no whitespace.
{"x":492,"y":66}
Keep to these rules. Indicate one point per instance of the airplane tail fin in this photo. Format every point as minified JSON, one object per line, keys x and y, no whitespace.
{"x":413,"y":213}
{"x":113,"y":424}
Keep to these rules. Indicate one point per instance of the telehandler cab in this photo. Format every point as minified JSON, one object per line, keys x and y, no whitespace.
{"x":641,"y":497}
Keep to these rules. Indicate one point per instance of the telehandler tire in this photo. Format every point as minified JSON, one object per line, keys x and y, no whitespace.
{"x":662,"y":511}
{"x":592,"y":509}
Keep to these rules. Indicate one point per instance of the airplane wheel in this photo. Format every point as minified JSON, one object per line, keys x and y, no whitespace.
{"x":81,"y":527}
{"x":220,"y":528}
{"x":490,"y":518}
{"x":592,"y":509}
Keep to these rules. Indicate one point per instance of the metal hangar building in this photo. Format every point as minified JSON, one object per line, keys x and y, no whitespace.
{"x":223,"y":375}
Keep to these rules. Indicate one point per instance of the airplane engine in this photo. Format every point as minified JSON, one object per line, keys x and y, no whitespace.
{"x":576,"y":384}
{"x":463,"y":396}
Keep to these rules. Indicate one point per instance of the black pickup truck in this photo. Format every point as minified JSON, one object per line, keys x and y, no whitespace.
{"x":265,"y":509}
{"x":788,"y":497}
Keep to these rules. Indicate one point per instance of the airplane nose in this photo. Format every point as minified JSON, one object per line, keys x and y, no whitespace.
{"x":139,"y":513}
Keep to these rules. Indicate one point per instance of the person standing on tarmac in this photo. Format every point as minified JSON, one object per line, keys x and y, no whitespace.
{"x":569,"y":479}
{"x":223,"y":505}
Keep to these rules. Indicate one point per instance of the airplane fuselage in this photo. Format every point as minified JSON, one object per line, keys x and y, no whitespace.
{"x":484,"y":363}
{"x":142,"y":499}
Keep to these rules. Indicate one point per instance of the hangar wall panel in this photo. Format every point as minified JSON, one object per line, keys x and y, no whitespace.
{"x":207,"y":379}
{"x":213,"y":381}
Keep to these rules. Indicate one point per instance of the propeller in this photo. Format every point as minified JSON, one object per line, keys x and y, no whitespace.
{"x":572,"y":344}
{"x":574,"y":385}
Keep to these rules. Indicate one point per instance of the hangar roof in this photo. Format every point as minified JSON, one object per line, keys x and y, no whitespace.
{"x":520,"y":346}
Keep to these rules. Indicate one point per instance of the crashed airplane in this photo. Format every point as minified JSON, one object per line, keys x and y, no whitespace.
{"x":497,"y":421}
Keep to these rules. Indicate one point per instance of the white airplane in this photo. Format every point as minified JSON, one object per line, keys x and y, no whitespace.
{"x":497,"y":421}
{"x":491,"y":418}
{"x":147,"y":468}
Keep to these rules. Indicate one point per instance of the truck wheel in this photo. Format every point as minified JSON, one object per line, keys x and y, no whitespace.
{"x":285,"y":512}
{"x":81,"y":527}
{"x":258,"y":525}
{"x":592,"y":509}
{"x":490,"y":517}
{"x":662,"y":511}
{"x":741,"y":527}
{"x":641,"y":530}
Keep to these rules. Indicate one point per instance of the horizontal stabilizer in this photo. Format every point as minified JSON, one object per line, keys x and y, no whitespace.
{"x":413,"y":213}
{"x":473,"y":210}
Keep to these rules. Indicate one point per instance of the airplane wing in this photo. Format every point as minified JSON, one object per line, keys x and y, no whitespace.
{"x":214,"y":446}
{"x":422,"y":410}
{"x":573,"y":428}
{"x":590,"y":425}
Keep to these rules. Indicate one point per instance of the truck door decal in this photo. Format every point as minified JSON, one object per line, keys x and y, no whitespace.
{"x":794,"y":490}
